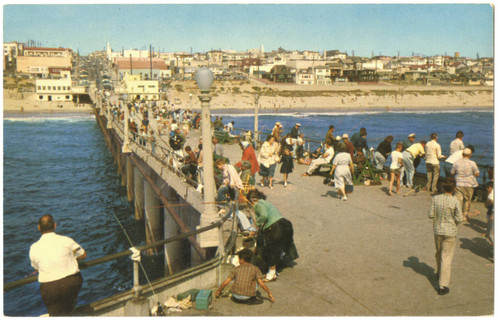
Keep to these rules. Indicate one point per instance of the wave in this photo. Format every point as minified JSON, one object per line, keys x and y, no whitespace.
{"x":294,"y":114}
{"x":70,"y":117}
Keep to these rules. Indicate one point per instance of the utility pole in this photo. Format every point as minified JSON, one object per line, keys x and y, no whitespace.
{"x":150,"y":63}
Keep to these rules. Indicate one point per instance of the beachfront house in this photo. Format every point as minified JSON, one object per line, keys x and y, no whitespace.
{"x":55,"y":89}
{"x":304,"y":76}
{"x":322,"y":75}
{"x":280,"y":74}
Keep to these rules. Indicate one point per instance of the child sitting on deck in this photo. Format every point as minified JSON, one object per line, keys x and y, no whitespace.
{"x":245,"y":276}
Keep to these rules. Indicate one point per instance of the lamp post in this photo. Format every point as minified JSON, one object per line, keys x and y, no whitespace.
{"x":256,"y":118}
{"x":204,"y":79}
{"x":125,"y":147}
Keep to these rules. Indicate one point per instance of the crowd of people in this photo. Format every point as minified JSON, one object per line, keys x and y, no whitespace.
{"x":59,"y":275}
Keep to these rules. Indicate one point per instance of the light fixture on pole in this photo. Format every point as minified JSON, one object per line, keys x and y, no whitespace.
{"x":256,"y":97}
{"x":204,"y":78}
{"x":125,"y":147}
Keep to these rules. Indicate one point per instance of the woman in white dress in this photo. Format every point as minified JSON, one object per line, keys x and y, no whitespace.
{"x":344,"y":169}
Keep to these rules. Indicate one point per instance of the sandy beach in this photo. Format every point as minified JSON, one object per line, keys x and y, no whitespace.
{"x":238,"y":97}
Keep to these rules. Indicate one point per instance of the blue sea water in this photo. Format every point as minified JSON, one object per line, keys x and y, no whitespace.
{"x":61,"y":165}
{"x":477,"y":127}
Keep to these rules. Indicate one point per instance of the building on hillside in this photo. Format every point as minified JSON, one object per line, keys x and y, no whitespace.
{"x":39,"y":66}
{"x":11,"y":50}
{"x":146,"y":68}
{"x":55,"y":89}
{"x":280,"y":74}
{"x":47,"y":52}
{"x":140,"y":89}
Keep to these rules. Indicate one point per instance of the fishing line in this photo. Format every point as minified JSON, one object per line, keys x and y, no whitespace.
{"x":361,"y":123}
{"x":140,"y":263}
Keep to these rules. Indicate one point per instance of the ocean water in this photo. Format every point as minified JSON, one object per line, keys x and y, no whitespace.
{"x":476,"y":125}
{"x":61,"y":165}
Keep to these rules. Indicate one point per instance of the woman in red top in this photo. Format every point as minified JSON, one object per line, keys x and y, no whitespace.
{"x":248,"y":155}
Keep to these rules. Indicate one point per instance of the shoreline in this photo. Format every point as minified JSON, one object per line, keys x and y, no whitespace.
{"x":14,"y":114}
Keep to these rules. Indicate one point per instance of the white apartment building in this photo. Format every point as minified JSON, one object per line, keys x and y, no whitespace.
{"x":141,"y":89}
{"x":54,"y":89}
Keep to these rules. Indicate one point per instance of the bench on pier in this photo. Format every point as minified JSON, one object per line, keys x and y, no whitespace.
{"x":223,"y":137}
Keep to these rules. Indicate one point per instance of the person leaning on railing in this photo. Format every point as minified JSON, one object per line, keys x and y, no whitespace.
{"x":55,"y":257}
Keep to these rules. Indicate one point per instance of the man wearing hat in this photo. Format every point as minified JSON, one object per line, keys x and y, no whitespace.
{"x":410,"y":154}
{"x":465,"y":171}
{"x":416,"y":162}
{"x":277,"y":130}
{"x":294,"y":134}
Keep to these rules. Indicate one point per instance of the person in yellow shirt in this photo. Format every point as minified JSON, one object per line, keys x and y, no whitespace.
{"x":413,"y":151}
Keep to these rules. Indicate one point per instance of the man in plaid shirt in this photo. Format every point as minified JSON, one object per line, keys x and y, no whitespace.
{"x":446,"y":211}
{"x":245,"y":276}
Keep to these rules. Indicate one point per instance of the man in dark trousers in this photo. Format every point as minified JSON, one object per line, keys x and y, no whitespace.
{"x":56,"y":258}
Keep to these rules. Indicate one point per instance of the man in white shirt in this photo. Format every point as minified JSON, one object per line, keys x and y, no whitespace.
{"x":325,"y":158}
{"x":432,"y":157}
{"x":56,"y":258}
{"x":457,"y":144}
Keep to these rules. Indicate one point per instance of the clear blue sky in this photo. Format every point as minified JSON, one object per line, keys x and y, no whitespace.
{"x":382,"y":28}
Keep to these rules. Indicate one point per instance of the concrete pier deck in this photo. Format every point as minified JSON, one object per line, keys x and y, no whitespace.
{"x":372,"y":255}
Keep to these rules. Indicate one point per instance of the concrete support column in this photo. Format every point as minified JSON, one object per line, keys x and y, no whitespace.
{"x":130,"y":179}
{"x":123,"y":169}
{"x":153,"y":218}
{"x":173,"y":256}
{"x":138,"y":194}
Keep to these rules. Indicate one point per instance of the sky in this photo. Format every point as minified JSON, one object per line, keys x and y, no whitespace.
{"x":365,"y":29}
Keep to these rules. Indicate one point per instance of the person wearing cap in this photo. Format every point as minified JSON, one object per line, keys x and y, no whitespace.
{"x":248,"y":155}
{"x":348,"y":145}
{"x":465,"y":171}
{"x":295,"y":131}
{"x":383,"y":150}
{"x":416,"y":161}
{"x":277,"y":130}
{"x":432,"y":157}
{"x":415,"y":150}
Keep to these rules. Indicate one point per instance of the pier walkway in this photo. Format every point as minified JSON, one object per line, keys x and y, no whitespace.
{"x":372,"y":255}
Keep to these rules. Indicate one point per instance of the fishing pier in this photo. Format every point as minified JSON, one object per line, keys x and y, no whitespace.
{"x":372,"y":255}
